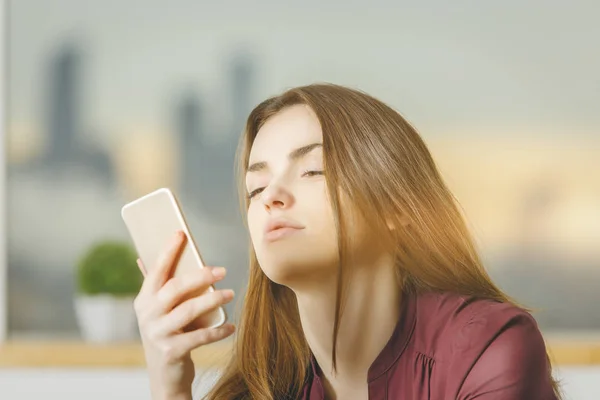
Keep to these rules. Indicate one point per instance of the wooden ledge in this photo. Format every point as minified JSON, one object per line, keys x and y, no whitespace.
{"x":569,"y":352}
{"x":74,"y":354}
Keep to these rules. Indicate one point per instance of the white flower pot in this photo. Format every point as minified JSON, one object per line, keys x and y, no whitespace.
{"x":106,"y":318}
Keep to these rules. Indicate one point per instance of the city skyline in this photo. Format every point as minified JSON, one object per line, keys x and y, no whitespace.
{"x":529,"y":197}
{"x":62,"y":148}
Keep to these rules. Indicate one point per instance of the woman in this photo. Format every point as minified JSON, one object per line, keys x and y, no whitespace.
{"x":364,"y":281}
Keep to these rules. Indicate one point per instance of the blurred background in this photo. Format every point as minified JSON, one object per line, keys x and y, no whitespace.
{"x":109,"y":100}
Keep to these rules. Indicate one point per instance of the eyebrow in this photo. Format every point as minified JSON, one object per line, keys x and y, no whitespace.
{"x":294,"y":155}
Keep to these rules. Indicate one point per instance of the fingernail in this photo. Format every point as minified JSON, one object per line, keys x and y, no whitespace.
{"x":219,"y":272}
{"x":228,"y":294}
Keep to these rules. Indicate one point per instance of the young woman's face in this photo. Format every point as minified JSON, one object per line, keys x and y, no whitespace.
{"x":290,"y":216}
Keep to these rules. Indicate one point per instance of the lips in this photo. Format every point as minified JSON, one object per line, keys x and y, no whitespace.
{"x":279,"y":228}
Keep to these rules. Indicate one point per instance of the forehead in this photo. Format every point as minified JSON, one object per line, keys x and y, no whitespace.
{"x":289,"y":129}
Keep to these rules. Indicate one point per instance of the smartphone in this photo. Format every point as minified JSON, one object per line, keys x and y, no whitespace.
{"x":152,"y":221}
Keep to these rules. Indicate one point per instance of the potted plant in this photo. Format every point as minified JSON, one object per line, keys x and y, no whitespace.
{"x":108,"y":280}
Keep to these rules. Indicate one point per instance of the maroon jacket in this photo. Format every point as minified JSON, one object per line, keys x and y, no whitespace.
{"x":448,"y":347}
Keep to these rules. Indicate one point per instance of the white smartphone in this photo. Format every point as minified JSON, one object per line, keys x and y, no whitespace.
{"x":152,"y":221}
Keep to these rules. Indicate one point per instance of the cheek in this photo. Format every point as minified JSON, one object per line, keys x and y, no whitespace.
{"x":316,"y":198}
{"x":319,"y":209}
{"x":255,"y":223}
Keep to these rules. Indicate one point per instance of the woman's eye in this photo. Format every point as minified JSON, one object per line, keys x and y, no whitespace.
{"x":255,"y":192}
{"x":312,"y":173}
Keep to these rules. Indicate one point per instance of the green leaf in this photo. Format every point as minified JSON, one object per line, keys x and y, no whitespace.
{"x":109,"y":267}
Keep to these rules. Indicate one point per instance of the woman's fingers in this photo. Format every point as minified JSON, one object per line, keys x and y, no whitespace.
{"x":192,"y":309}
{"x":184,"y":343}
{"x":179,"y":288}
{"x":165,"y":265}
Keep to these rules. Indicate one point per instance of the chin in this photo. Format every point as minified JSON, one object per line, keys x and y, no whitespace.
{"x":283,"y":270}
{"x":294,"y":268}
{"x":286,"y":277}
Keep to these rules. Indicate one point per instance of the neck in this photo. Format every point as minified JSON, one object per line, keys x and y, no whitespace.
{"x":370,"y":311}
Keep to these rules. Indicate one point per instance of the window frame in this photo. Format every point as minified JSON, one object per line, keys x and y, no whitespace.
{"x":3,"y":150}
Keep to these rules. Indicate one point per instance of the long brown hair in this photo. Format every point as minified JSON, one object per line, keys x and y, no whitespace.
{"x":376,"y":157}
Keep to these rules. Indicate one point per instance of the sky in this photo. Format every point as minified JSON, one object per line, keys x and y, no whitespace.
{"x":461,"y":66}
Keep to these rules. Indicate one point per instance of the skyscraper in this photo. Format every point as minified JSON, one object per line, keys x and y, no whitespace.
{"x":242,"y":79}
{"x":62,"y":105}
{"x":188,"y":121}
{"x":66,"y":152}
{"x":207,"y":169}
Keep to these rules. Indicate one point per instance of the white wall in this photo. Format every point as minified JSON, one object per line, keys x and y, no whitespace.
{"x":580,"y":383}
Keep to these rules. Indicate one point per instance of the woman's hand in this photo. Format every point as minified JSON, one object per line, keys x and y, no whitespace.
{"x":164,"y":309}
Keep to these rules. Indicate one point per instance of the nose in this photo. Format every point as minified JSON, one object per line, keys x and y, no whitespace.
{"x":276,"y":196}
